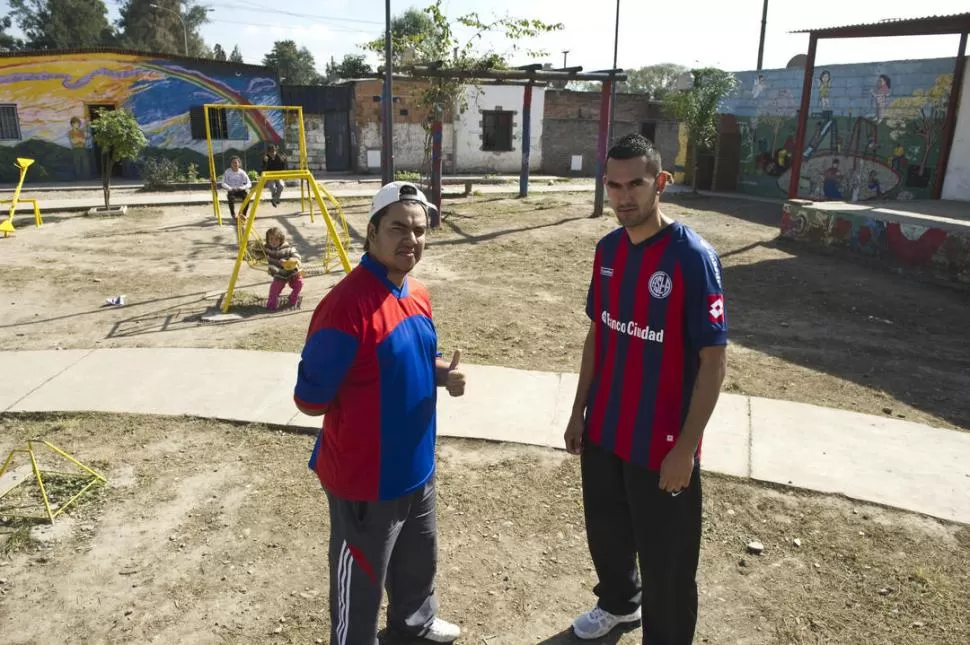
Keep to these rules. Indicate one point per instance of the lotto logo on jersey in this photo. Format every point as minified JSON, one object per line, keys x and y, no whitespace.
{"x":715,"y":308}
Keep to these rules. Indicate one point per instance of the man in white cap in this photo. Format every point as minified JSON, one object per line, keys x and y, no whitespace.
{"x":370,"y":364}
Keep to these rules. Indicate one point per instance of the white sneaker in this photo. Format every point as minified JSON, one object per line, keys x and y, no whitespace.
{"x":441,"y":631}
{"x":597,"y":623}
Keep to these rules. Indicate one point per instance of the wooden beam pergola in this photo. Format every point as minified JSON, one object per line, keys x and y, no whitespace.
{"x":956,"y":24}
{"x":528,"y":75}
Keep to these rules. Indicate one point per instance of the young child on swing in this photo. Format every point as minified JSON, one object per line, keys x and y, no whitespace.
{"x":284,"y":265}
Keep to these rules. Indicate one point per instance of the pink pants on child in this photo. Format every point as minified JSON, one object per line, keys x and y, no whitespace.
{"x":296,"y":284}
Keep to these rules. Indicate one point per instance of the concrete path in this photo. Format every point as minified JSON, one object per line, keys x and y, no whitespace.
{"x":887,"y":461}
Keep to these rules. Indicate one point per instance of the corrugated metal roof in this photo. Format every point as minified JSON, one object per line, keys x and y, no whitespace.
{"x":901,"y":22}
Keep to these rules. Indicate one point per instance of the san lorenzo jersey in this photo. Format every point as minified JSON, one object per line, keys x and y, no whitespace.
{"x":369,"y":361}
{"x":655,"y":305}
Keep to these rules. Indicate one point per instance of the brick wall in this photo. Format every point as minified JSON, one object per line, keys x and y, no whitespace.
{"x":316,"y":141}
{"x":409,"y":119}
{"x":571,"y":127}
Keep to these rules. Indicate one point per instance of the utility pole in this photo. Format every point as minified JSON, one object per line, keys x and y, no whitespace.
{"x":761,"y":43}
{"x":616,"y":44}
{"x":185,"y":31}
{"x":387,"y":153}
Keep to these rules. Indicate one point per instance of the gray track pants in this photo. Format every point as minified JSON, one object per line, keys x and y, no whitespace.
{"x":392,"y":544}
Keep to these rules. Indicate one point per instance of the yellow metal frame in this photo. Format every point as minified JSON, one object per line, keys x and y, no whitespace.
{"x":38,"y":474}
{"x":244,"y":230}
{"x":7,"y":226}
{"x":304,"y":166}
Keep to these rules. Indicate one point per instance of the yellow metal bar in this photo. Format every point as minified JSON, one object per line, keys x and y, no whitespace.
{"x":243,"y":241}
{"x":6,"y":464}
{"x":212,"y":165}
{"x":40,"y":483}
{"x":331,"y":229}
{"x":304,"y":161}
{"x":308,"y":198}
{"x":72,"y":460}
{"x":233,"y":106}
{"x":63,"y":506}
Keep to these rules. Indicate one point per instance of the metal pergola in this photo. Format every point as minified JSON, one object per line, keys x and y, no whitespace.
{"x":956,"y":24}
{"x":528,"y":76}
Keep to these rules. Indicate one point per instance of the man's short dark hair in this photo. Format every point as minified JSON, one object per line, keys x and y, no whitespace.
{"x":633,"y":146}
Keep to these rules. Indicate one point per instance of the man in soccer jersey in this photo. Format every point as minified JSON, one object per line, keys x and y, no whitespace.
{"x":370,"y":365}
{"x":652,"y":368}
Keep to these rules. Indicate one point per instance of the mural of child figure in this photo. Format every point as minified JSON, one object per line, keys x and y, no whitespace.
{"x":824,"y":89}
{"x":284,"y":265}
{"x":79,"y":149}
{"x":880,"y":95}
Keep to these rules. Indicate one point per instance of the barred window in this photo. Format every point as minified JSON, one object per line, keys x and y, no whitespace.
{"x":9,"y":123}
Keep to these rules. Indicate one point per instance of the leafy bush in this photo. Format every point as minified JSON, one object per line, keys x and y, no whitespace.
{"x":159,"y":171}
{"x":407,"y":175}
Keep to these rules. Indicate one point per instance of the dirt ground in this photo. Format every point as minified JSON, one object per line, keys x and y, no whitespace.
{"x":508,"y":279}
{"x":208,"y":532}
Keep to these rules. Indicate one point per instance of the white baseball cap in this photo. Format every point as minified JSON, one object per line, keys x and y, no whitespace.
{"x":398,"y":191}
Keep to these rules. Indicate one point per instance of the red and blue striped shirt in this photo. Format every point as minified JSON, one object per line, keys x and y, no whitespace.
{"x":369,"y":361}
{"x":656,"y":304}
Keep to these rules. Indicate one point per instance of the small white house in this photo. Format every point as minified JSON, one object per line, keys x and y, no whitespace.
{"x":488,"y":134}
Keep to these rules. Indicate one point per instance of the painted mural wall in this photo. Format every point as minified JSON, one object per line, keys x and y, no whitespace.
{"x":873,"y":132}
{"x":943,"y":251}
{"x":54,"y":97}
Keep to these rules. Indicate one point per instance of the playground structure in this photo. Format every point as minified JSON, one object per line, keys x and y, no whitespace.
{"x":7,"y":225}
{"x":38,"y":474}
{"x":251,"y":249}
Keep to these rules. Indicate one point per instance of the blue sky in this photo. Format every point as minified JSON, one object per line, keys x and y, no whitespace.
{"x":689,"y":32}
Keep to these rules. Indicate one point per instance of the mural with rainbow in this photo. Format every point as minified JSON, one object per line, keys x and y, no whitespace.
{"x":47,"y":102}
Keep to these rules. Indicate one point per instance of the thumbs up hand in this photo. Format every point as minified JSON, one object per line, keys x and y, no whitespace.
{"x":455,"y":379}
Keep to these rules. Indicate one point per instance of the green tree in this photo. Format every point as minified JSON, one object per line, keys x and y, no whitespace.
{"x":295,"y":65}
{"x":921,"y":115}
{"x":219,"y":53}
{"x":411,"y":27}
{"x":62,"y":24}
{"x":119,"y":137}
{"x":235,"y":56}
{"x":440,"y":44}
{"x":8,"y":43}
{"x":143,"y":27}
{"x":653,"y":80}
{"x":352,"y":66}
{"x":697,"y":109}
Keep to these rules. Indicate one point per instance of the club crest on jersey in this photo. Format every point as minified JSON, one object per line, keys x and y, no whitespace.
{"x":660,"y":285}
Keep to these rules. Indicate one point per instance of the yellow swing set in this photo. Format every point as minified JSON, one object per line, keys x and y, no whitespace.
{"x":251,"y":249}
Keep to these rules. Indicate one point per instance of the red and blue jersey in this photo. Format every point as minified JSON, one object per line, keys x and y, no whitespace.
{"x":655,"y":305}
{"x":369,"y":361}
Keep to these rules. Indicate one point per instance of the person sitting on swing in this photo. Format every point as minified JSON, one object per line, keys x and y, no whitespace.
{"x":237,"y":185}
{"x":273,"y":160}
